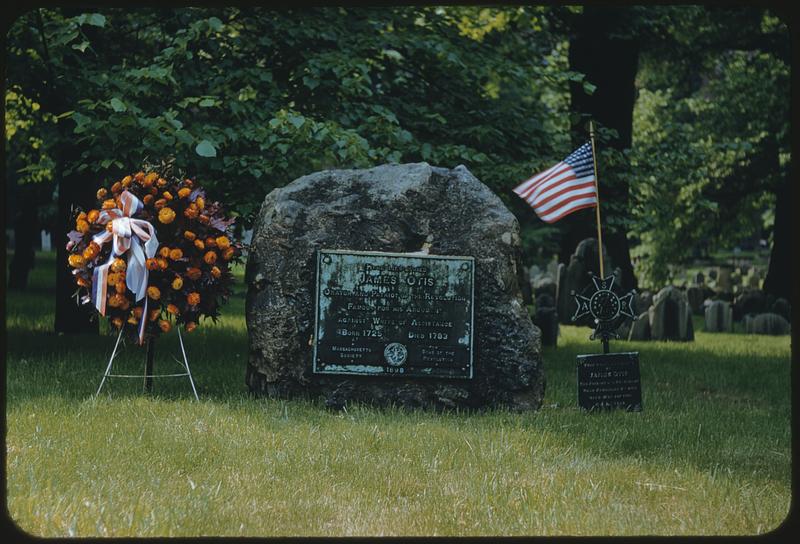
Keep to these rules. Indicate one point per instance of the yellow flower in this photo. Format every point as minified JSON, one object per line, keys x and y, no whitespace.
{"x":120,"y":288}
{"x":76,"y":261}
{"x":139,"y":176}
{"x":154,"y":292}
{"x":199,"y":245}
{"x":210,"y":257}
{"x":193,"y":298}
{"x":149,"y":179}
{"x":108,"y":204}
{"x":161,"y":183}
{"x":177,"y":283}
{"x":91,"y":251}
{"x":164,"y":251}
{"x":175,"y":254}
{"x":132,"y":320}
{"x":118,"y":265}
{"x":164,"y":325}
{"x":167,"y":195}
{"x":200,"y":201}
{"x":82,"y":226}
{"x":116,"y":188}
{"x":166,"y":215}
{"x":92,"y":216}
{"x":189,"y":235}
{"x":223,"y":242}
{"x":216,"y":272}
{"x":162,"y":263}
{"x":126,"y":181}
{"x":101,"y":193}
{"x":184,"y":192}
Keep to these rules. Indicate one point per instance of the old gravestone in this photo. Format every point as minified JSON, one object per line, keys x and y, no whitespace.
{"x":719,"y":317}
{"x":577,"y":275}
{"x":670,"y":316}
{"x":417,"y":213}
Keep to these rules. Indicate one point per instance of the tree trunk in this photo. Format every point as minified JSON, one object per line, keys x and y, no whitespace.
{"x":611,"y":64}
{"x":26,"y":229}
{"x":779,"y":274}
{"x":71,"y":317}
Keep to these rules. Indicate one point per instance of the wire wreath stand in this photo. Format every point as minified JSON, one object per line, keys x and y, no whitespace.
{"x":148,"y":371}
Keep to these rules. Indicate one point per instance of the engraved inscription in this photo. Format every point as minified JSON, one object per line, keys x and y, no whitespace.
{"x":394,"y":314}
{"x":609,"y":381}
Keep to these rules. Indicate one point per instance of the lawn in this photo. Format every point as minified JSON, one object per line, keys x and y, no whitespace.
{"x":709,"y":455}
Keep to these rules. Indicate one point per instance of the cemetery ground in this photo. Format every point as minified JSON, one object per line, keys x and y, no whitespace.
{"x":709,"y":455}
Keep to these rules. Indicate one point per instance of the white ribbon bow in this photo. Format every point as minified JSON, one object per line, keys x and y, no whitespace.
{"x":137,"y":238}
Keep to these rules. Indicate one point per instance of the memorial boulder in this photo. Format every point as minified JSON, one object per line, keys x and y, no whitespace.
{"x":394,"y":285}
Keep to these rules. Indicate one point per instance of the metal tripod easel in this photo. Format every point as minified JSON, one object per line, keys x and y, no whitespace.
{"x":146,"y":376}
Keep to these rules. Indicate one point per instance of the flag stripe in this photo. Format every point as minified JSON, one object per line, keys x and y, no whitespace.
{"x":564,"y":188}
{"x":574,"y":207}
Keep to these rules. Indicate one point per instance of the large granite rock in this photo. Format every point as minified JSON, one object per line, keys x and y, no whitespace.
{"x":393,"y":208}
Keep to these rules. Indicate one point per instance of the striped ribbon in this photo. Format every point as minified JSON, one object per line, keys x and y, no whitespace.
{"x":134,"y":237}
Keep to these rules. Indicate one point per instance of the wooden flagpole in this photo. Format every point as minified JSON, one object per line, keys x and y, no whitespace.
{"x":597,"y":208}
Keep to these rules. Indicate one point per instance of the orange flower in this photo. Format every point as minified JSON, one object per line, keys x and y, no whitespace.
{"x":148,"y":199}
{"x":200,"y":201}
{"x":120,"y":288}
{"x":126,"y":181}
{"x":228,"y":254}
{"x":210,"y":257}
{"x":211,"y":242}
{"x":125,"y":304}
{"x":216,"y":272}
{"x":92,"y":216}
{"x":115,"y":278}
{"x":190,"y":213}
{"x":91,"y":251}
{"x":108,"y":204}
{"x":194,"y":273}
{"x":82,"y":226}
{"x":150,"y":179}
{"x":203,"y":219}
{"x":117,"y":322}
{"x":163,"y":251}
{"x":166,"y":215}
{"x":184,"y":192}
{"x":154,"y":292}
{"x":117,"y":300}
{"x":160,"y":203}
{"x":193,"y":298}
{"x":190,"y":326}
{"x":167,"y":195}
{"x":101,"y":193}
{"x":164,"y":325}
{"x":162,"y":263}
{"x":152,"y":315}
{"x":171,"y":308}
{"x":81,"y":216}
{"x":199,"y":245}
{"x":138,"y":311}
{"x":154,"y":190}
{"x":177,"y":283}
{"x":223,"y":242}
{"x":77,"y":261}
{"x":188,"y":182}
{"x":83,"y":282}
{"x":118,"y":265}
{"x":189,"y":235}
{"x":175,"y":254}
{"x":116,"y":188}
{"x":161,"y":183}
{"x":151,"y":264}
{"x":139,"y":176}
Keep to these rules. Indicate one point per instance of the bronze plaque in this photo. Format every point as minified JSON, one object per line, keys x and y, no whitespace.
{"x":394,"y":314}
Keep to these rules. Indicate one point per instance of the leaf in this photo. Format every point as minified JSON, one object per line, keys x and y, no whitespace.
{"x":588,"y":88}
{"x":206,"y":103}
{"x":81,"y":46}
{"x":215,"y":24}
{"x":118,"y":105}
{"x":206,"y":149}
{"x":297,"y":120}
{"x":96,"y":19}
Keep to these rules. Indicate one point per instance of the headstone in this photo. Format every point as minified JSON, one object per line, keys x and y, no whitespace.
{"x":575,"y":279}
{"x":699,"y":278}
{"x":749,"y":302}
{"x":552,"y":268}
{"x":409,"y":210}
{"x":670,"y":316}
{"x":640,"y":328}
{"x":545,"y":285}
{"x":534,"y":273}
{"x":546,"y":319}
{"x":719,"y":317}
{"x":46,"y":241}
{"x":782,"y":307}
{"x":695,"y":296}
{"x":643,"y":300}
{"x":610,"y":380}
{"x":768,"y":323}
{"x":724,"y":283}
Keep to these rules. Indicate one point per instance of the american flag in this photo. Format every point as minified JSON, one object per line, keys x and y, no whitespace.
{"x":567,"y":187}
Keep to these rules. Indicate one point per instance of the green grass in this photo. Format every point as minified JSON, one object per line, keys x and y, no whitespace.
{"x":710,"y":453}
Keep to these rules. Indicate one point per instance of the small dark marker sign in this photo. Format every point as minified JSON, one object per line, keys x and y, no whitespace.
{"x":609,"y":381}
